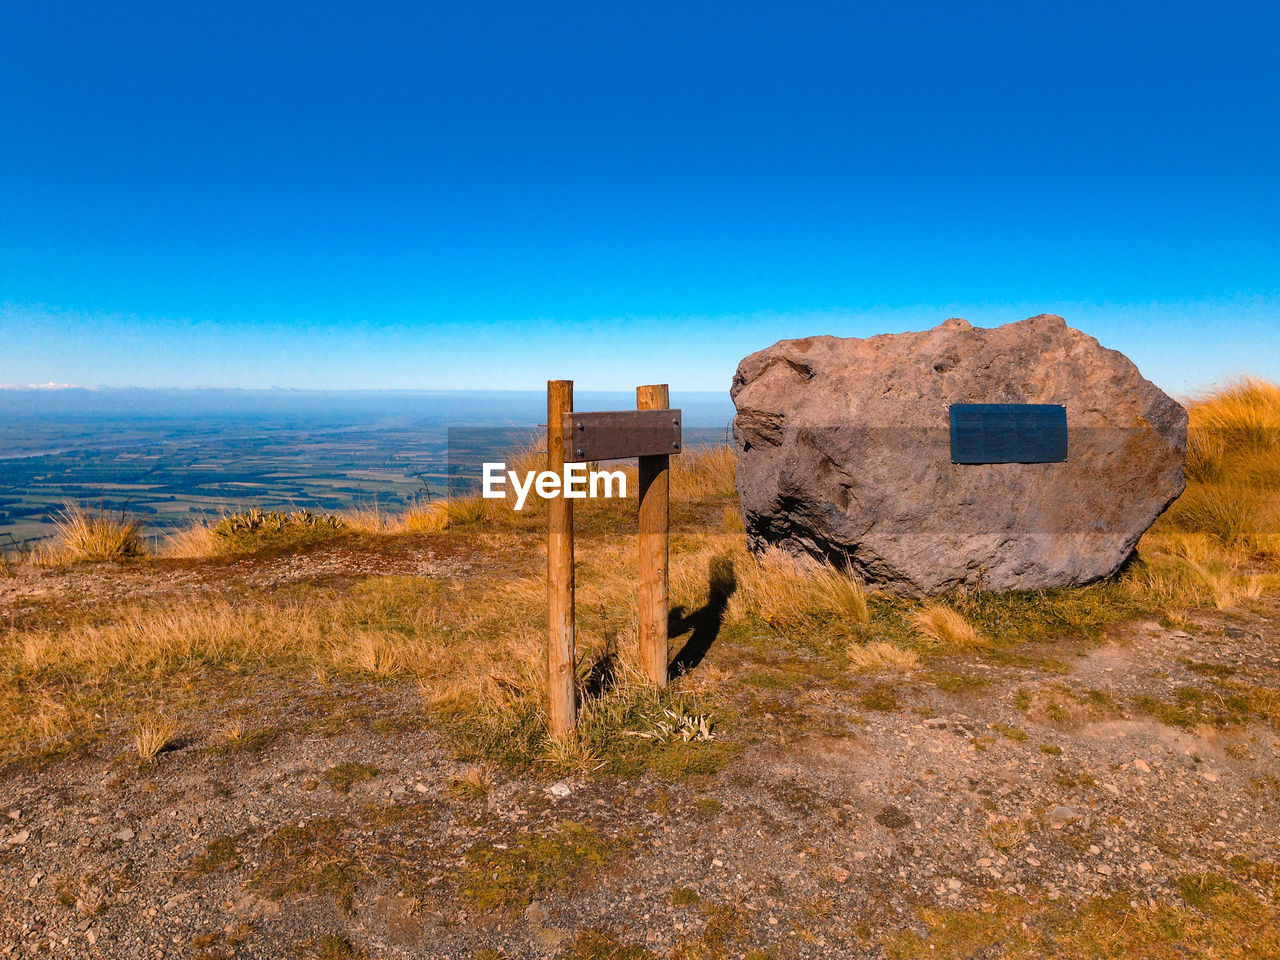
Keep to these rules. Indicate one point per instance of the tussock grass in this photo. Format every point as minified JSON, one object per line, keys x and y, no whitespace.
{"x":475,"y":780}
{"x":190,"y":542}
{"x":368,"y":518}
{"x":1189,"y":570}
{"x":1233,"y":467}
{"x":1244,"y":413}
{"x":151,"y":736}
{"x":881,"y":655}
{"x":234,"y":733}
{"x":940,"y":626}
{"x":86,"y":535}
{"x":789,"y":592}
{"x":432,"y":517}
{"x":1219,"y":544}
{"x":1006,"y":835}
{"x":708,"y":473}
{"x":451,"y":513}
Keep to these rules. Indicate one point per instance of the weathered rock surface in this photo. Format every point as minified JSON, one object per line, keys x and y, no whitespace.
{"x":845,"y":455}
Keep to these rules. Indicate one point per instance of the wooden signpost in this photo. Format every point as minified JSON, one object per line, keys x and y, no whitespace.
{"x":651,"y":432}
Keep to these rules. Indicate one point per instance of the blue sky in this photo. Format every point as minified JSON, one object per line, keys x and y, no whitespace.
{"x":486,"y":195}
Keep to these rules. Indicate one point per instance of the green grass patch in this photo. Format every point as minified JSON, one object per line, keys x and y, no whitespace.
{"x":882,"y":696}
{"x":1016,"y":734}
{"x":1226,"y":703}
{"x":594,"y":944}
{"x":345,"y":775}
{"x":314,"y":859}
{"x":1218,"y":919}
{"x":534,"y":865}
{"x":221,"y":853}
{"x":957,"y":683}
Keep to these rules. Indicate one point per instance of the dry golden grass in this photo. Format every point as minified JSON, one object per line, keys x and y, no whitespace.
{"x":81,"y":534}
{"x":1220,"y":542}
{"x":1194,"y":569}
{"x":941,"y":626}
{"x":1006,"y":835}
{"x":481,"y":644}
{"x":432,"y":517}
{"x":1233,"y":468}
{"x":370,"y":518}
{"x":880,"y":655}
{"x":475,"y":780}
{"x":191,"y":542}
{"x":787,"y":591}
{"x":234,"y":732}
{"x":1245,"y":412}
{"x":151,"y":735}
{"x":705,"y":473}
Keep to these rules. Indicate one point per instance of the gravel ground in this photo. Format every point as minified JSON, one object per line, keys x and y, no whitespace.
{"x":347,"y":828}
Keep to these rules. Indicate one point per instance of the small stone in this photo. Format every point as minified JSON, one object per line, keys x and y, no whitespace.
{"x":1103,"y":869}
{"x":1141,"y":764}
{"x":536,"y":913}
{"x":1095,"y":849}
{"x":420,"y":787}
{"x":1209,"y":775}
{"x":125,"y":834}
{"x":559,"y":789}
{"x":1060,"y":815}
{"x":22,"y":836}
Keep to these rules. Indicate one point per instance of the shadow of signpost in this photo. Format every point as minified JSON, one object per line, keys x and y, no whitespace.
{"x":703,"y":625}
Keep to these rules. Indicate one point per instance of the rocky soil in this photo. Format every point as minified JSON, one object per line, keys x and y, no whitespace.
{"x":340,"y":825}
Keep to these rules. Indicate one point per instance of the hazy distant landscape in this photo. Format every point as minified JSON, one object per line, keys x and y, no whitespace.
{"x":171,"y":456}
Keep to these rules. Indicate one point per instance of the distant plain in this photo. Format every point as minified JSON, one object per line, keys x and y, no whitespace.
{"x":172,"y":456}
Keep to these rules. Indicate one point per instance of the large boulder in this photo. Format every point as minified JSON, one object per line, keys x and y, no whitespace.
{"x":844,"y":454}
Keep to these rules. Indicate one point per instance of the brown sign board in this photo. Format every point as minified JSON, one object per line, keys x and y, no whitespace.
{"x":620,"y":434}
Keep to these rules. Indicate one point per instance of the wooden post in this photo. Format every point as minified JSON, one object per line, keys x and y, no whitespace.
{"x":654,"y":492}
{"x":562,"y":706}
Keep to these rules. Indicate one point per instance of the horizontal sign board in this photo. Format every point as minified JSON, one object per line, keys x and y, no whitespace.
{"x":619,"y":434}
{"x":1008,"y":433}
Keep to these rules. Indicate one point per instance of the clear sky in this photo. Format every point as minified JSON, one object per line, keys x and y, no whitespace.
{"x":438,"y":195}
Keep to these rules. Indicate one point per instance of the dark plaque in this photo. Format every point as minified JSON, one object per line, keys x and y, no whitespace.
{"x":620,"y":434}
{"x":1008,"y":433}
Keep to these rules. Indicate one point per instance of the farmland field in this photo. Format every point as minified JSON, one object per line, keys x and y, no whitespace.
{"x":169,"y":457}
